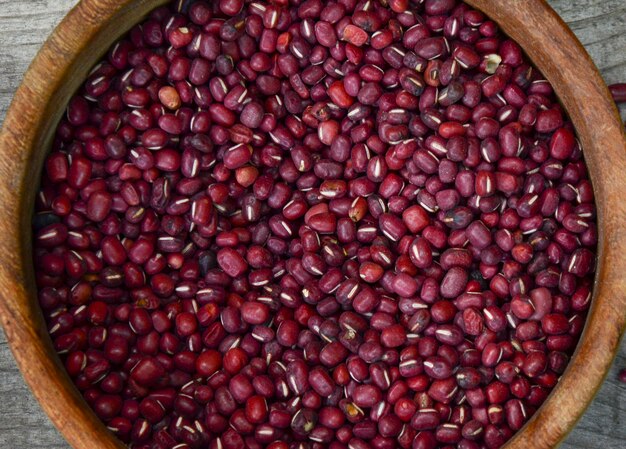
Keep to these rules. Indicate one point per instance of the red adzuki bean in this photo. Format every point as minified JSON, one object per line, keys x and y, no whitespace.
{"x":618,"y":91}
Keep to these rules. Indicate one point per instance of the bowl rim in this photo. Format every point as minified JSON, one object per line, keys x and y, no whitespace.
{"x":551,"y":46}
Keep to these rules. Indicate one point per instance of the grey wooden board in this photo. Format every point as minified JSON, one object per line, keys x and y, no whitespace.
{"x":25,"y":24}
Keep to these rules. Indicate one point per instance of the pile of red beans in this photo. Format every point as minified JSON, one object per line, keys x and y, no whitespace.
{"x":315,"y":224}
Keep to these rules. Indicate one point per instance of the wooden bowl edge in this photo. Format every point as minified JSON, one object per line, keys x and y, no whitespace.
{"x":557,"y":52}
{"x":65,"y":53}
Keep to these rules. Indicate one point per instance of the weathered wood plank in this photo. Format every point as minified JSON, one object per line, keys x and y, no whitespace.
{"x":24,"y":25}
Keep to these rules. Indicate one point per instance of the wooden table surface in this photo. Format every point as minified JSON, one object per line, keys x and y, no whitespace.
{"x":25,"y":24}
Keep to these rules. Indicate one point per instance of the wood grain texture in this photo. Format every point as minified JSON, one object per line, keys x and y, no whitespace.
{"x":24,"y":25}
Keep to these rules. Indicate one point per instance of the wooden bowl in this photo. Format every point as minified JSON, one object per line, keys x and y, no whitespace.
{"x":85,"y":35}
